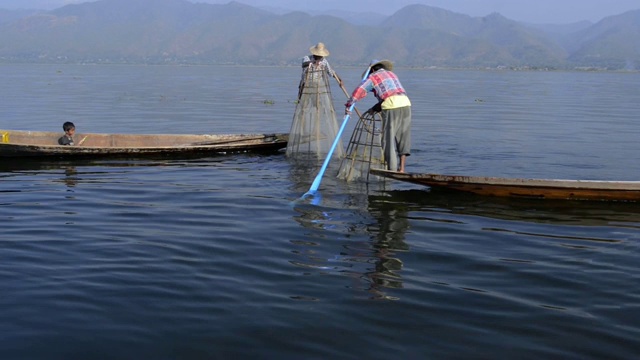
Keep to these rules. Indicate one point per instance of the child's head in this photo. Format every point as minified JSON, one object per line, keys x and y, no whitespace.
{"x":68,"y":127}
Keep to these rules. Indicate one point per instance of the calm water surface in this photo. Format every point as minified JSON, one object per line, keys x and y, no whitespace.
{"x":216,"y":257}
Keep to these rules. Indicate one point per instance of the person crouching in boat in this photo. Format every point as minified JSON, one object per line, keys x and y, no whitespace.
{"x":69,"y":131}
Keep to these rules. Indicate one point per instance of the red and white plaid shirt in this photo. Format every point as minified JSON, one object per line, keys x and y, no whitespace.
{"x":382,"y":83}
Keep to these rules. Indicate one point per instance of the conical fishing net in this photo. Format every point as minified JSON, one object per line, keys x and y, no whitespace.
{"x":314,"y":127}
{"x":364,"y":149}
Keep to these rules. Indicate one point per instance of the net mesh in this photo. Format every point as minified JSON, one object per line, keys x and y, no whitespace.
{"x":364,"y":149}
{"x":314,"y":126}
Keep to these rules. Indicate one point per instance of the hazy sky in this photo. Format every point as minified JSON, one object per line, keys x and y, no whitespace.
{"x":535,"y":11}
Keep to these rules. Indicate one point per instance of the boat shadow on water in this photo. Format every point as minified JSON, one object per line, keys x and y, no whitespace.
{"x":543,"y":211}
{"x":37,"y":164}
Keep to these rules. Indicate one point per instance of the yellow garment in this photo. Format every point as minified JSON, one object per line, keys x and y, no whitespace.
{"x":395,"y":101}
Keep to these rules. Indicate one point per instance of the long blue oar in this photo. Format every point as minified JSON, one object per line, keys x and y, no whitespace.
{"x":316,"y":182}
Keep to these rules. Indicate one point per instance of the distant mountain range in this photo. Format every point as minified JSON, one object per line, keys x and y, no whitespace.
{"x":181,"y":32}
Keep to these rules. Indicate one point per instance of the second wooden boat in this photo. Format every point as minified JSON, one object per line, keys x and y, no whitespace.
{"x":524,"y":188}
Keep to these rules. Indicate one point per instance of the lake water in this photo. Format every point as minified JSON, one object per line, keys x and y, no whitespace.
{"x":215,"y":258}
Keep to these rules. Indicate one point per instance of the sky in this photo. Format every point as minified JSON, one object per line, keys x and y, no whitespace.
{"x":531,"y":11}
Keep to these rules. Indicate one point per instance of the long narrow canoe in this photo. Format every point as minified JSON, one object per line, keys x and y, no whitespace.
{"x":45,"y":144}
{"x":524,"y":188}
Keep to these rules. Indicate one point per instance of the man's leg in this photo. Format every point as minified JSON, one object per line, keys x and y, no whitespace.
{"x":389,"y":141}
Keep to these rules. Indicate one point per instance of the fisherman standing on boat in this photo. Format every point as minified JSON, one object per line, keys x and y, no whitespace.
{"x":69,"y":131}
{"x":314,"y":124}
{"x":395,"y":108}
{"x":312,"y":64}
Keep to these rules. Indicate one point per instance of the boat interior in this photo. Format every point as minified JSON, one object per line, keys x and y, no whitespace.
{"x":40,"y":138}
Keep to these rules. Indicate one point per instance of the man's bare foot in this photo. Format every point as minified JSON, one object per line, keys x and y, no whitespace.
{"x":403,"y":161}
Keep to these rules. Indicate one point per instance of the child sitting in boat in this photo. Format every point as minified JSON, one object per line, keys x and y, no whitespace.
{"x":69,"y":130}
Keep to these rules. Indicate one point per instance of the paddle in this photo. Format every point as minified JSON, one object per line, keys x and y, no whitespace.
{"x":316,"y":182}
{"x":347,"y":94}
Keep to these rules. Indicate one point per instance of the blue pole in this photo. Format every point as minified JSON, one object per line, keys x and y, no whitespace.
{"x":316,"y":182}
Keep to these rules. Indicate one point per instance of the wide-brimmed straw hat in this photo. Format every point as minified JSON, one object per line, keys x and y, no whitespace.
{"x":319,"y":50}
{"x":386,"y":64}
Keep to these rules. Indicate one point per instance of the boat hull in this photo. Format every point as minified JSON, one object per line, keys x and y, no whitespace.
{"x":20,"y":144}
{"x":524,"y":188}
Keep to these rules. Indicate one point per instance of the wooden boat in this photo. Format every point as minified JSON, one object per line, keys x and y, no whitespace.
{"x":524,"y":188}
{"x":45,"y":144}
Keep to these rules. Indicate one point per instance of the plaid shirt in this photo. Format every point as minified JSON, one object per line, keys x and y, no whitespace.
{"x":382,"y":83}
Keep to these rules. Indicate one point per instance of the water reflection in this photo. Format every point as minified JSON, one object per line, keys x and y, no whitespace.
{"x":361,"y":241}
{"x":554,"y":212}
{"x":388,"y":233}
{"x":35,"y":164}
{"x":70,"y":177}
